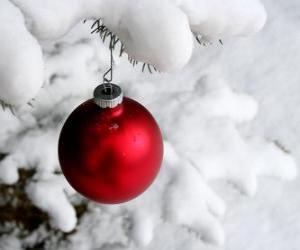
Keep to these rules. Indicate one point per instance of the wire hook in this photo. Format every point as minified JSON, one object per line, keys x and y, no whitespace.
{"x":109,"y":73}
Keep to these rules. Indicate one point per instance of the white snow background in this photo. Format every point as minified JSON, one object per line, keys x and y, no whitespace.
{"x":228,"y":117}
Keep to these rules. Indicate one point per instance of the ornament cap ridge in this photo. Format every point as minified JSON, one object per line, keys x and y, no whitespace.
{"x":108,"y":95}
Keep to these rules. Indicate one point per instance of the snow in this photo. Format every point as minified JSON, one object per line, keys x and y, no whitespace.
{"x":8,"y":242}
{"x":227,"y":118}
{"x":156,"y":32}
{"x":21,"y":61}
{"x":49,"y":195}
{"x":217,"y":19}
{"x":99,"y":228}
{"x":191,"y":202}
{"x":142,"y":232}
{"x":30,"y":151}
{"x":212,"y":143}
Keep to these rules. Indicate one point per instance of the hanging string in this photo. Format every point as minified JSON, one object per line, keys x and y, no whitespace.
{"x":108,"y":81}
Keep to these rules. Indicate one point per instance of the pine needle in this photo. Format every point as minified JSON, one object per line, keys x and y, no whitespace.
{"x":98,"y":27}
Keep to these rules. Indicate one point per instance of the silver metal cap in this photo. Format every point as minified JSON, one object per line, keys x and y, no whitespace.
{"x":108,"y":95}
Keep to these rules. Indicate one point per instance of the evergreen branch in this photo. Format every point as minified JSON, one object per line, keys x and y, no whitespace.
{"x":7,"y":106}
{"x":98,"y":27}
{"x":203,"y":42}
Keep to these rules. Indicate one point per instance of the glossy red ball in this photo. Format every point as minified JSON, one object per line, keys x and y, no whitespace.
{"x":110,"y":155}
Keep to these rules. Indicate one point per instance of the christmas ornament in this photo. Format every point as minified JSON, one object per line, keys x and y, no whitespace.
{"x":110,"y":147}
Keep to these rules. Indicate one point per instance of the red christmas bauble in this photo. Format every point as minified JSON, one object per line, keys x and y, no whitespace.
{"x":110,"y":155}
